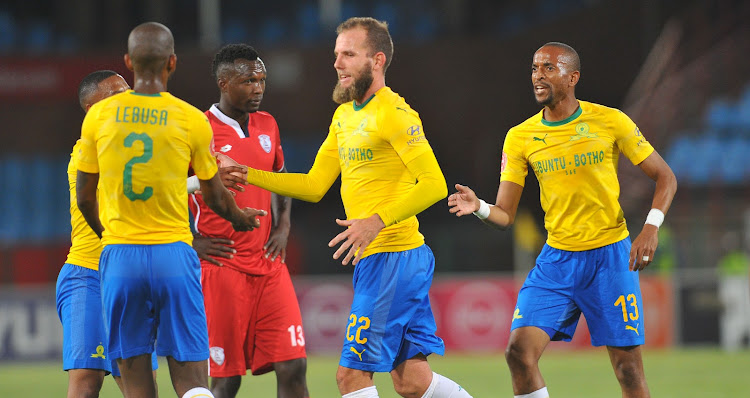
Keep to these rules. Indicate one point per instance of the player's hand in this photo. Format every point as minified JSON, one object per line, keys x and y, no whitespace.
{"x":463,"y":202}
{"x":233,"y":175}
{"x":277,"y":241}
{"x":247,"y":220}
{"x":643,"y":248}
{"x":361,"y":232}
{"x":216,"y":247}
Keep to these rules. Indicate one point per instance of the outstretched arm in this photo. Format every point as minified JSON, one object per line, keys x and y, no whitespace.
{"x":281,"y":211}
{"x":501,"y":215}
{"x":309,"y":187}
{"x":218,"y":199}
{"x":86,"y":184}
{"x":644,"y":246}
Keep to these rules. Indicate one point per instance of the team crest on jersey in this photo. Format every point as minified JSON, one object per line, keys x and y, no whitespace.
{"x":217,"y":355}
{"x":582,"y":131}
{"x":226,"y":148}
{"x":265,"y":142}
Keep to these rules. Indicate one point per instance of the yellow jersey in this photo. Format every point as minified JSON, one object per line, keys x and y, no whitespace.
{"x":373,"y":142}
{"x":142,"y":145}
{"x":575,"y":162}
{"x":85,"y":247}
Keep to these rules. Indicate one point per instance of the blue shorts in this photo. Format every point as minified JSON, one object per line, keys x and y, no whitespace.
{"x":79,"y":306}
{"x":150,"y":290}
{"x":597,"y":283}
{"x":391,"y":318}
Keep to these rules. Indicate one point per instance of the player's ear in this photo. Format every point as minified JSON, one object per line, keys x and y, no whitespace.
{"x":574,"y":77}
{"x":380,"y":60}
{"x":128,"y":62}
{"x":172,"y":63}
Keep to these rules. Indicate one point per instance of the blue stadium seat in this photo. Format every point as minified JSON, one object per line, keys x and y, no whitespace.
{"x":720,"y":114}
{"x":389,"y":13}
{"x":38,"y":37}
{"x":734,"y":169}
{"x":272,"y":31}
{"x":707,"y":153}
{"x":680,"y":155}
{"x":234,"y":30}
{"x":7,"y":32}
{"x":308,"y":21}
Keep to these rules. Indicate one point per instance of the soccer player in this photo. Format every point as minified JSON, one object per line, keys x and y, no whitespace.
{"x":141,"y":143}
{"x":254,"y":320}
{"x":588,"y":264}
{"x":388,"y":175}
{"x":78,"y":296}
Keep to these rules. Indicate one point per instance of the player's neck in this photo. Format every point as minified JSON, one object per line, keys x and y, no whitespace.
{"x":239,"y":116}
{"x":149,"y":85}
{"x":376,"y":85}
{"x":561,"y":110}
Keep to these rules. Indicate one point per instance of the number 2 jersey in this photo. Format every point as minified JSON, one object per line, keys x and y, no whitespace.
{"x":261,"y":149}
{"x":142,"y":145}
{"x":575,"y":162}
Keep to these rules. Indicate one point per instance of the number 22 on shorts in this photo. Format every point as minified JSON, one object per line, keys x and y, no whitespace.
{"x":364,"y":323}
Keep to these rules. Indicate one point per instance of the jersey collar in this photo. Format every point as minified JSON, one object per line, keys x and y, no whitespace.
{"x":566,"y":120}
{"x":227,"y":120}
{"x":364,"y":104}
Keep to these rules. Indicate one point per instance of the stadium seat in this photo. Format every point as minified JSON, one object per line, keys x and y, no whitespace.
{"x":7,"y":32}
{"x":234,"y":31}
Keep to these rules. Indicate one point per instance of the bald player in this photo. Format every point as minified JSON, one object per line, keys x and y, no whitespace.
{"x":588,"y":264}
{"x":136,"y":147}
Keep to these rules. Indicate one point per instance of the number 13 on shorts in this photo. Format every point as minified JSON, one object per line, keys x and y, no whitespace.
{"x":296,"y":335}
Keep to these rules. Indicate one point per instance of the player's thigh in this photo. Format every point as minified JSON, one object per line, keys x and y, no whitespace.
{"x":612,"y":302}
{"x":278,"y":334}
{"x":79,"y":306}
{"x":389,"y":289}
{"x":127,"y":300}
{"x":230,"y":304}
{"x":546,"y":299}
{"x":178,"y":298}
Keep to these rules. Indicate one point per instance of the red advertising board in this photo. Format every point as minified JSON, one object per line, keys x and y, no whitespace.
{"x":472,"y":313}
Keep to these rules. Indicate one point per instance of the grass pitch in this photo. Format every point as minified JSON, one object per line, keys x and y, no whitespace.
{"x":671,"y":374}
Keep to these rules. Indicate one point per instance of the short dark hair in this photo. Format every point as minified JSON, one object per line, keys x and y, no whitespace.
{"x":90,"y":84}
{"x":378,"y":37}
{"x":570,"y":51}
{"x":230,"y":53}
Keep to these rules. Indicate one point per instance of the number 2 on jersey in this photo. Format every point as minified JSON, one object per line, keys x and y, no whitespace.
{"x":127,"y":174}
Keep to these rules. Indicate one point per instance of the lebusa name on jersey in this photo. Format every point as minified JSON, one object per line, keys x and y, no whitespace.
{"x":133,"y":114}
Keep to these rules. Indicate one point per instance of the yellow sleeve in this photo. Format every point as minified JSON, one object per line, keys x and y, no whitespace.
{"x":309,"y":187}
{"x":86,"y":158}
{"x":429,"y":189}
{"x":629,"y":138}
{"x":201,"y":136}
{"x":513,"y":165}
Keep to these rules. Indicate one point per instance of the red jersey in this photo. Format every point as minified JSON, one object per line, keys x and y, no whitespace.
{"x":261,"y":149}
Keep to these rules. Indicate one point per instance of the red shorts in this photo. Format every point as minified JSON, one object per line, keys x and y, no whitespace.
{"x":253,"y":321}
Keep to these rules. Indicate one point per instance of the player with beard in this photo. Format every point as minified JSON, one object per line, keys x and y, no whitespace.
{"x":587,"y":265}
{"x":389,"y":174}
{"x":254,"y":320}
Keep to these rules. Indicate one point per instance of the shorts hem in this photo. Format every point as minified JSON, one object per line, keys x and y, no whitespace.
{"x":367,"y":367}
{"x":184,"y":357}
{"x":619,"y":343}
{"x":133,"y":352}
{"x":85,"y":364}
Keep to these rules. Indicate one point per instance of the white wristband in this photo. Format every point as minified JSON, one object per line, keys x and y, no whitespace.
{"x":655,"y":217}
{"x":484,"y":210}
{"x":193,"y":184}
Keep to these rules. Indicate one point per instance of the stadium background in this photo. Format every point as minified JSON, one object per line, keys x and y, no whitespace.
{"x":678,"y":68}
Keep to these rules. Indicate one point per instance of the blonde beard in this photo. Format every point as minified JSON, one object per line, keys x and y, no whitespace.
{"x":358,"y":89}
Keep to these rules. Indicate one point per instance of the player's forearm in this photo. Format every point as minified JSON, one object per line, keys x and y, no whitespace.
{"x":310,"y":187}
{"x":281,"y":208}
{"x":219,"y":199}
{"x":666,"y":187}
{"x":429,"y":189}
{"x":86,"y":185}
{"x":498,"y":218}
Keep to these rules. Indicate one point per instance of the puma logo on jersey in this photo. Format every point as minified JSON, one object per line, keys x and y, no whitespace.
{"x":359,"y":354}
{"x":541,"y":139}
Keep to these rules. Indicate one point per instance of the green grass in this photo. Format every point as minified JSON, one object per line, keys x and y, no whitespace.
{"x":671,"y":374}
